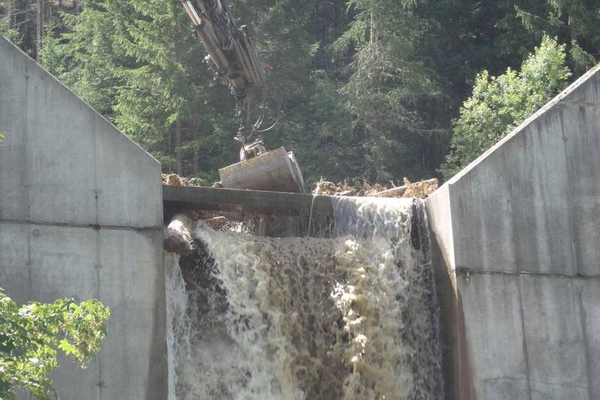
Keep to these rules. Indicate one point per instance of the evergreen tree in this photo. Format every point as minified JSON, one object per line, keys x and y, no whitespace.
{"x":88,"y":57}
{"x":574,"y":22}
{"x":360,"y":89}
{"x":302,"y":95}
{"x":138,"y":64}
{"x":8,"y":31}
{"x":386,"y":84}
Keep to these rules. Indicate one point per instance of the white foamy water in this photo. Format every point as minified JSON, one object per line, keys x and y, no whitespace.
{"x":350,"y":318}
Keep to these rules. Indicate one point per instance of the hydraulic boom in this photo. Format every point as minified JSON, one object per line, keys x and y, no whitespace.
{"x":232,"y":57}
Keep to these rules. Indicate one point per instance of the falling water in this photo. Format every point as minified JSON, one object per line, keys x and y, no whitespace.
{"x":351,"y":317}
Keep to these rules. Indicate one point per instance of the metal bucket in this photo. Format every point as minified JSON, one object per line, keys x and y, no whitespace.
{"x":275,"y":170}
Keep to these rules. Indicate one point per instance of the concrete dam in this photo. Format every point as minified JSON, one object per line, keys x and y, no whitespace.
{"x":505,"y":303}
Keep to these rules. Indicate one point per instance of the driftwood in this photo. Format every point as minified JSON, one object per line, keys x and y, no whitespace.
{"x":216,"y":222}
{"x":178,"y":237}
{"x":420,"y":189}
{"x":393,"y":192}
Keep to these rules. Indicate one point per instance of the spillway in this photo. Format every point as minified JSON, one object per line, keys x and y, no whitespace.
{"x":352,"y":316}
{"x":514,"y":244}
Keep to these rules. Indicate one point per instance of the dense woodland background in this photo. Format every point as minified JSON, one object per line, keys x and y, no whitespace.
{"x":362,"y":89}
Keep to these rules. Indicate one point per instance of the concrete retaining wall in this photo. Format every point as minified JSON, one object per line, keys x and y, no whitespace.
{"x":516,"y":247}
{"x":81,"y":216}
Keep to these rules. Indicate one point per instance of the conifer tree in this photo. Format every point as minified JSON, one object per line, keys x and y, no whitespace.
{"x":387,"y":83}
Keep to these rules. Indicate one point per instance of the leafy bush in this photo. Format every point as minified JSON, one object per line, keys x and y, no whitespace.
{"x":31,"y":335}
{"x":499,"y":104}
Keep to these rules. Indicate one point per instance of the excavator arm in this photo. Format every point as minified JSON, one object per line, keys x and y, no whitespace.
{"x":230,"y":54}
{"x":232,"y":57}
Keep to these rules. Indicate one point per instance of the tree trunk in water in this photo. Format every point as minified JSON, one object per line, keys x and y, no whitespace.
{"x":178,"y":237}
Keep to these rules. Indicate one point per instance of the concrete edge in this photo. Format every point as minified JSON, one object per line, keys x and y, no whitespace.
{"x":538,"y":114}
{"x":455,"y":365}
{"x":36,"y":65}
{"x":241,"y":200}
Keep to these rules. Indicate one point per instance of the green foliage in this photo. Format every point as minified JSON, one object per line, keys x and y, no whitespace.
{"x":499,"y":104}
{"x":137,"y":63}
{"x":10,"y":33}
{"x":388,"y":82}
{"x":361,"y":88}
{"x":573,"y":22}
{"x":31,"y":335}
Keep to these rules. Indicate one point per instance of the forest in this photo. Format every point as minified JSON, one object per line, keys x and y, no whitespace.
{"x":372,"y":90}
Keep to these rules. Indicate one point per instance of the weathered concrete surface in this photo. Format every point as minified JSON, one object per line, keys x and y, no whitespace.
{"x":301,"y":213}
{"x":516,"y":254}
{"x":81,"y":216}
{"x":245,"y":201}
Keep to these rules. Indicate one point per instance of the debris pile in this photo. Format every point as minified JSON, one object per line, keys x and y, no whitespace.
{"x":420,"y":189}
{"x":176,"y":180}
{"x":178,"y":237}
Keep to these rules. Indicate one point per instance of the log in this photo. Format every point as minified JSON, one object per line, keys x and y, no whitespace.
{"x":393,"y":192}
{"x":421,"y":189}
{"x":215,"y":222}
{"x":178,"y":237}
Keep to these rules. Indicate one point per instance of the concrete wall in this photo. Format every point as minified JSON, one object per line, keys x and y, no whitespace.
{"x":81,"y":216}
{"x":517,"y":243}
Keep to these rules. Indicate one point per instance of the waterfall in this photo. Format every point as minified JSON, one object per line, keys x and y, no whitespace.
{"x":351,"y":317}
